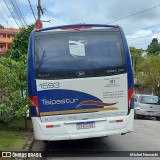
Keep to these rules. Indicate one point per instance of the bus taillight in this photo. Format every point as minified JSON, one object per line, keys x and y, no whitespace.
{"x":34,"y":102}
{"x":49,"y":126}
{"x":130,"y":95}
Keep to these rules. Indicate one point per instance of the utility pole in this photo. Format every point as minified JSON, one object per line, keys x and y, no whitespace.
{"x":38,"y":24}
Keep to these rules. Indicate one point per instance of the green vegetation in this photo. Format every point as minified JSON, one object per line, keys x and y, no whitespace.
{"x":13,"y":96}
{"x":146,"y":68}
{"x":13,"y":137}
{"x":19,"y":45}
{"x":154,"y":47}
{"x":13,"y":85}
{"x":137,"y":55}
{"x":17,"y":124}
{"x":149,"y":73}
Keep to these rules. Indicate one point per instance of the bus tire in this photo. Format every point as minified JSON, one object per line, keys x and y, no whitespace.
{"x":45,"y":142}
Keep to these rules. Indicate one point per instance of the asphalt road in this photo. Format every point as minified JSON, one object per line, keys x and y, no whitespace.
{"x":145,"y":137}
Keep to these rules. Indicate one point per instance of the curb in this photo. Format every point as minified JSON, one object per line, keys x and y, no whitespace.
{"x":27,"y":147}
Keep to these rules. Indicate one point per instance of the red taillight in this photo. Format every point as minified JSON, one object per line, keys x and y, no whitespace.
{"x":49,"y":126}
{"x":139,"y":99}
{"x":76,"y":28}
{"x":116,"y":121}
{"x":130,"y":95}
{"x":34,"y":102}
{"x":120,"y":120}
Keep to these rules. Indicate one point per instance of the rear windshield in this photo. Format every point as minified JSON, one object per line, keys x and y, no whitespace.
{"x":149,"y":100}
{"x":64,"y":54}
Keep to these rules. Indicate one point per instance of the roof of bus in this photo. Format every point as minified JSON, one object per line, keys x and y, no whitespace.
{"x":77,"y":27}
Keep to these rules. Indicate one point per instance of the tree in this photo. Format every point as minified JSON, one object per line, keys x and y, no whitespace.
{"x":137,"y":57}
{"x":19,"y":45}
{"x":14,"y":98}
{"x":149,"y":73}
{"x":12,"y":102}
{"x":154,"y":47}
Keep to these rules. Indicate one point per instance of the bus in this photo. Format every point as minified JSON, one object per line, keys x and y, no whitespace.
{"x":80,"y":82}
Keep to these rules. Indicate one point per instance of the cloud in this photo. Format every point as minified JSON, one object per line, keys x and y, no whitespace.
{"x":62,"y":12}
{"x":142,"y":38}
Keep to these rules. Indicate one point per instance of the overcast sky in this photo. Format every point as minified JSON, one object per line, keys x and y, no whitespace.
{"x":139,"y":29}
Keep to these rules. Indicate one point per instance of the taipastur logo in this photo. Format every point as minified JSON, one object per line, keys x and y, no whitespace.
{"x":59,"y":101}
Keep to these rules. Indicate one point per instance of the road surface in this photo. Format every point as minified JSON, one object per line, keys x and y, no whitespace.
{"x":145,"y":137}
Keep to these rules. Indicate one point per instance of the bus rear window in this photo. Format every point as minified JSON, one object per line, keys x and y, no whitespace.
{"x":63,"y":54}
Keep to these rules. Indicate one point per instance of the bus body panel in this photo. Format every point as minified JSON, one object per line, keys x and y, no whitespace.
{"x":80,"y":107}
{"x":72,"y":96}
{"x":67,"y":131}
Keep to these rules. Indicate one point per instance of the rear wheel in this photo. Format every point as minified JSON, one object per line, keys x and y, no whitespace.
{"x":158,"y":118}
{"x":46,"y":142}
{"x":135,"y":116}
{"x":143,"y":116}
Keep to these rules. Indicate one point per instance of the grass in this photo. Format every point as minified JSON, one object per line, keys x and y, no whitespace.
{"x":13,"y":137}
{"x":18,"y":124}
{"x":12,"y":144}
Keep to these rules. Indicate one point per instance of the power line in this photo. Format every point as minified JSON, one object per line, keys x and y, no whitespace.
{"x":139,"y":44}
{"x":32,"y":9}
{"x":151,"y":26}
{"x":132,"y":38}
{"x":4,"y":19}
{"x":4,"y":8}
{"x":134,"y":14}
{"x":17,"y":14}
{"x":12,"y":13}
{"x":137,"y":38}
{"x":144,"y":28}
{"x":20,"y":12}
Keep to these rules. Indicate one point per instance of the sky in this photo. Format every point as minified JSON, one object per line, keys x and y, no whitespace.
{"x":139,"y":29}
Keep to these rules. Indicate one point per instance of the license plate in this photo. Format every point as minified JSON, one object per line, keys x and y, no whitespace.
{"x":151,"y":113}
{"x":85,"y":125}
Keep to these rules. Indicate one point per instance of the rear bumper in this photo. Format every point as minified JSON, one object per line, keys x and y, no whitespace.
{"x":68,"y":131}
{"x":148,"y":113}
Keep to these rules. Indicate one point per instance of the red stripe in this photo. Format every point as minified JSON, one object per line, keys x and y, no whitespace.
{"x":49,"y":126}
{"x":130,"y":93}
{"x":120,"y":120}
{"x":76,"y":28}
{"x":34,"y":101}
{"x":95,"y":103}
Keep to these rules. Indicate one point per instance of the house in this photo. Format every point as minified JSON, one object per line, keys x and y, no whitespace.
{"x":6,"y":37}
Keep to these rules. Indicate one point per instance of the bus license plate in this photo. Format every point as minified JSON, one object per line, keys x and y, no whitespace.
{"x":85,"y":125}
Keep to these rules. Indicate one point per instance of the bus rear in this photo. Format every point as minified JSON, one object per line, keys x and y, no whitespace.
{"x":80,"y":82}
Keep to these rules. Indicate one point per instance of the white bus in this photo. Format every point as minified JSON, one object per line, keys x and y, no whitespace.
{"x":80,"y":82}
